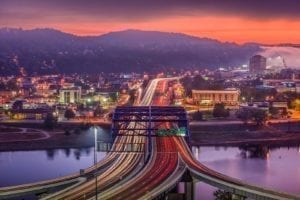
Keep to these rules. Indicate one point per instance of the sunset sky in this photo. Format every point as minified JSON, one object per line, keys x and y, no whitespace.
{"x":264,"y":21}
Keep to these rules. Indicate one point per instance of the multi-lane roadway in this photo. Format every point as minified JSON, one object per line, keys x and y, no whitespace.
{"x":127,"y":176}
{"x":169,"y":153}
{"x":124,"y":165}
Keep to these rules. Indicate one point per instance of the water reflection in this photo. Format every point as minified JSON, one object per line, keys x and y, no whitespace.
{"x":255,"y":151}
{"x":20,"y":167}
{"x":67,"y":152}
{"x":50,"y":154}
{"x":87,"y":151}
{"x":77,"y":154}
{"x":274,"y":167}
{"x":245,"y":151}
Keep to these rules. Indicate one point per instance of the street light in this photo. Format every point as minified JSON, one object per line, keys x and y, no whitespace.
{"x":95,"y":160}
{"x":104,"y":99}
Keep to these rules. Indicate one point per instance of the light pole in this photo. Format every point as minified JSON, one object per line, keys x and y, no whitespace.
{"x":95,"y":161}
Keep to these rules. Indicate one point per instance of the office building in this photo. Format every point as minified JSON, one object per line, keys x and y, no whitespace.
{"x":257,"y":64}
{"x":69,"y":95}
{"x":229,"y":97}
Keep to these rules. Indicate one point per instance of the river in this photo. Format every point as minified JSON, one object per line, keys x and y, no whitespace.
{"x":277,"y":168}
{"x":19,"y":167}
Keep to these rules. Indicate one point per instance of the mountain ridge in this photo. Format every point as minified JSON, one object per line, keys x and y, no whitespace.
{"x":51,"y":51}
{"x":14,"y":30}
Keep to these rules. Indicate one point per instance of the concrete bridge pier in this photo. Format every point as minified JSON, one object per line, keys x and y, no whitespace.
{"x":195,"y":151}
{"x":189,"y":191}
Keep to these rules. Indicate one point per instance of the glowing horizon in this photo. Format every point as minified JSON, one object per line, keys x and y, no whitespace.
{"x":225,"y":21}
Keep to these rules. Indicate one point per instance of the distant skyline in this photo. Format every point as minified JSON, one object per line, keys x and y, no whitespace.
{"x":262,"y":21}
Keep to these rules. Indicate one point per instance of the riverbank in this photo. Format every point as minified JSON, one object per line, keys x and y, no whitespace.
{"x":240,"y":134}
{"x":60,"y":124}
{"x":41,"y":139}
{"x":55,"y":141}
{"x":15,"y":139}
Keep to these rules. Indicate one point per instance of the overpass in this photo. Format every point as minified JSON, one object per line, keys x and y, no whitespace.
{"x":110,"y":170}
{"x":156,"y":131}
{"x":141,"y":187}
{"x":171,"y":157}
{"x":151,"y":120}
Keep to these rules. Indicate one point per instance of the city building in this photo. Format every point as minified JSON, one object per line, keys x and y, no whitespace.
{"x":22,"y":110}
{"x":25,"y":114}
{"x":69,"y":95}
{"x":257,"y":64}
{"x":223,"y":74}
{"x":6,"y":95}
{"x":280,"y":104}
{"x":283,"y":85}
{"x":287,"y":87}
{"x":229,"y":97}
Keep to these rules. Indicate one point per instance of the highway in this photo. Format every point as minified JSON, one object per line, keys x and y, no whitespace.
{"x":127,"y":175}
{"x":163,"y":162}
{"x":166,"y":161}
{"x":158,"y":177}
{"x":202,"y":172}
{"x":128,"y":162}
{"x":110,"y":166}
{"x":124,"y":164}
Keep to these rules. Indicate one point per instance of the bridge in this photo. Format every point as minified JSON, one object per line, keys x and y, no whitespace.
{"x":150,"y":155}
{"x":150,"y":121}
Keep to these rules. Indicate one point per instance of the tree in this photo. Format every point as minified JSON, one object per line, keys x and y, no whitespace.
{"x":114,"y":96}
{"x":67,"y":132}
{"x":2,"y":86}
{"x":80,"y":107}
{"x":259,"y":116}
{"x":110,"y":116}
{"x":132,"y":94}
{"x":12,"y":85}
{"x":244,"y":115}
{"x":145,"y":83}
{"x":77,"y":131}
{"x":296,"y":104}
{"x":199,"y":83}
{"x":197,"y":116}
{"x":17,"y":105}
{"x":220,"y":110}
{"x":251,"y":92}
{"x":50,"y":121}
{"x":222,"y":195}
{"x":273,"y":111}
{"x":98,"y":111}
{"x":284,"y":113}
{"x":69,"y":114}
